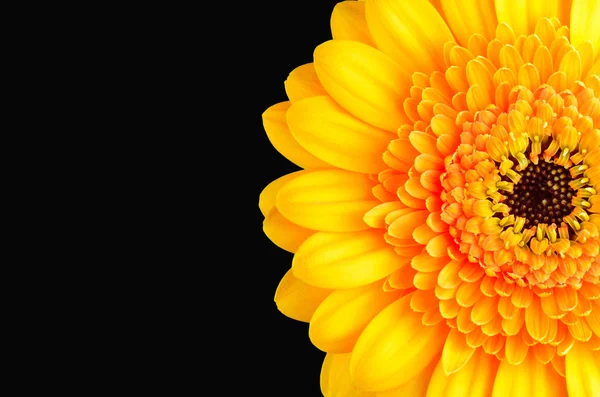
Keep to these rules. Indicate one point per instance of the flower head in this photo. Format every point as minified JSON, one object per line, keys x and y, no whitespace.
{"x":446,"y":224}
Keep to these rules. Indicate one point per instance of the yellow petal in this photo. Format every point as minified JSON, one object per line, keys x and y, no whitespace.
{"x":266,"y":200}
{"x":303,"y":83}
{"x":402,"y":278}
{"x":484,"y":310}
{"x":411,"y":32}
{"x":593,"y":319}
{"x":335,"y":377}
{"x":475,"y":379}
{"x":327,"y":131}
{"x":522,"y":16}
{"x":404,"y":226}
{"x":536,"y":321}
{"x":285,"y":234}
{"x":376,"y":217}
{"x":585,"y":15}
{"x":328,"y":200}
{"x":394,"y":348}
{"x":423,"y":142}
{"x":456,"y":353}
{"x":438,"y":246}
{"x":296,"y":299}
{"x":595,"y":69}
{"x":363,"y":81}
{"x":417,"y":386}
{"x":531,"y":378}
{"x":282,"y":140}
{"x":339,"y":320}
{"x":346,"y":260}
{"x":466,"y":17}
{"x":582,"y":371}
{"x":570,"y":65}
{"x":348,"y":22}
{"x":516,"y":349}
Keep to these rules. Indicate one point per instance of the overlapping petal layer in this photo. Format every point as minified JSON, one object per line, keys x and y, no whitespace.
{"x":446,"y":227}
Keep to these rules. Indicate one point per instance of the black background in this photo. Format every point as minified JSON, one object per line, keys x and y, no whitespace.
{"x":158,"y":279}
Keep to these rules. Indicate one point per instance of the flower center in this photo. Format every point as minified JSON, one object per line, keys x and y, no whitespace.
{"x":542,"y":195}
{"x":502,"y":165}
{"x":515,"y":122}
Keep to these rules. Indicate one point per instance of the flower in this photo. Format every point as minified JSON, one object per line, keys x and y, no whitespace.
{"x":446,"y":221}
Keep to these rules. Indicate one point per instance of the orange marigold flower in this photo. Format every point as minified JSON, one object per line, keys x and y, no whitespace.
{"x":446,"y":224}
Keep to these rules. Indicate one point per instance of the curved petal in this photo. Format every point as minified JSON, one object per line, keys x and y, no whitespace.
{"x":475,"y":379}
{"x":335,"y":377}
{"x":522,"y":16}
{"x":327,"y":131}
{"x":417,"y":386}
{"x":395,"y":347}
{"x":376,"y":216}
{"x":530,"y":378}
{"x":339,"y":320}
{"x":467,"y":17}
{"x":405,"y":225}
{"x":585,"y":15}
{"x":327,"y":200}
{"x":456,"y":353}
{"x":283,"y":233}
{"x":303,"y":83}
{"x":595,"y":69}
{"x":296,"y":299}
{"x":411,"y":32}
{"x":283,"y":141}
{"x":364,"y":81}
{"x":345,"y":260}
{"x":582,"y":371}
{"x":266,"y":200}
{"x":348,"y":22}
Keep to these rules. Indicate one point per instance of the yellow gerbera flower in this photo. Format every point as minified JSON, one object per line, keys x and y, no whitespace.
{"x":446,"y":223}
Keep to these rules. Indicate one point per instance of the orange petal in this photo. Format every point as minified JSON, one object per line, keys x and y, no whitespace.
{"x":438,"y":246}
{"x":515,"y":349}
{"x":426,"y":263}
{"x":536,"y":321}
{"x":593,"y":319}
{"x":484,"y":310}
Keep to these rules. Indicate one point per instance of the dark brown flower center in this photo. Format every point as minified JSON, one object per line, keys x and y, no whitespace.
{"x":542,"y":195}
